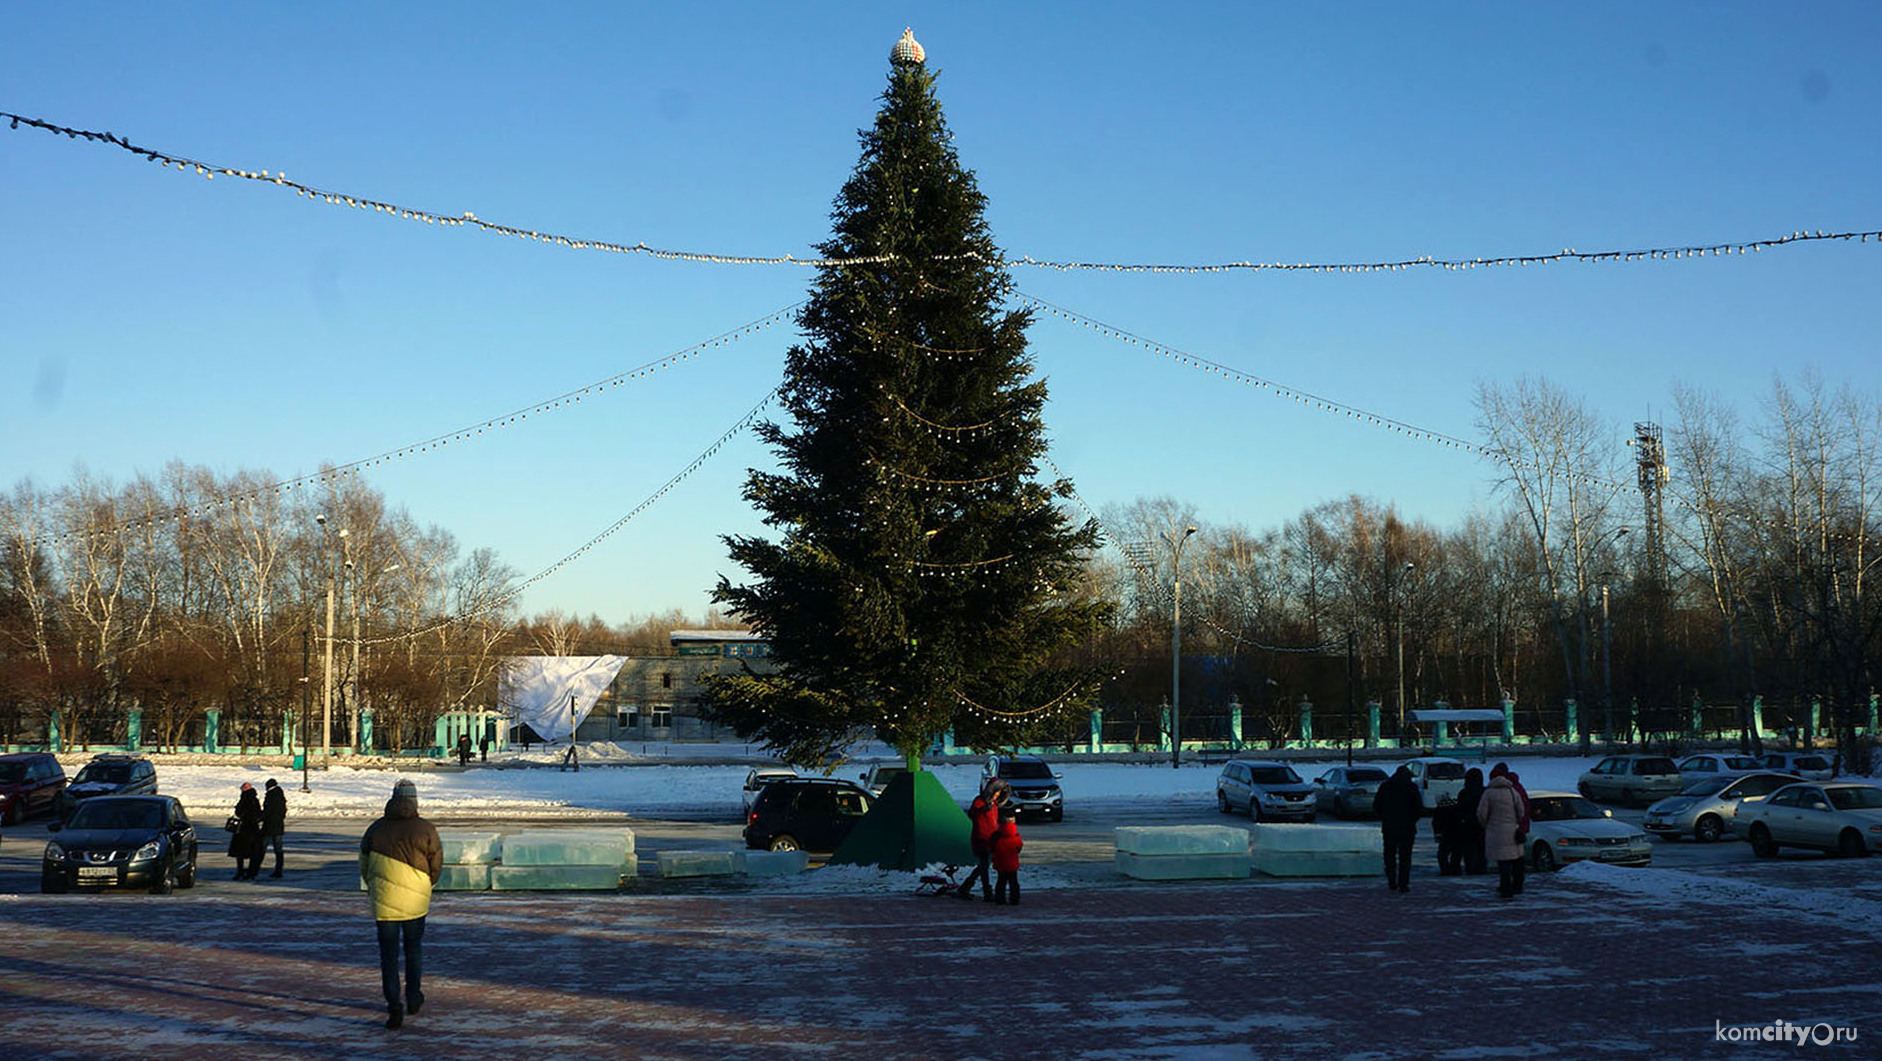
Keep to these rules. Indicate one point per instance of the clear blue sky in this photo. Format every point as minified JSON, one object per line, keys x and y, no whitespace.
{"x":146,"y":315}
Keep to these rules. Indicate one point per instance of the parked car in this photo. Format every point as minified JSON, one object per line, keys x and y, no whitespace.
{"x":1840,"y":817}
{"x":1436,"y":777}
{"x":1565,"y":828}
{"x":1811,"y":766}
{"x":1347,"y":791}
{"x":1712,"y":764}
{"x":812,"y":814}
{"x":1032,"y":786}
{"x":30,"y":783}
{"x":109,"y":774}
{"x":758,"y":777}
{"x":878,"y":776}
{"x":1708,"y":804}
{"x":1631,"y":780}
{"x":121,"y":841}
{"x":1268,"y":791}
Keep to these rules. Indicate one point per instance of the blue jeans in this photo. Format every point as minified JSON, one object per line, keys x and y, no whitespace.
{"x":391,"y":933}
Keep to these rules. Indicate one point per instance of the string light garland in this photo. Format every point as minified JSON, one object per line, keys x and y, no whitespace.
{"x":464,"y":434}
{"x":940,"y":428}
{"x":744,"y":424}
{"x":1053,"y":704}
{"x":467,"y":218}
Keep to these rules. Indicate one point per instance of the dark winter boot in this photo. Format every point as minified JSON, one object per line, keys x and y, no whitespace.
{"x":395,"y":1017}
{"x":413,"y":1002}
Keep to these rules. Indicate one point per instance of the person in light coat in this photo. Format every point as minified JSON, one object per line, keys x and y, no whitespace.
{"x":1501,"y":813}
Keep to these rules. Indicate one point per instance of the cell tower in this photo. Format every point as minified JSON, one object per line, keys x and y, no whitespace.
{"x":1651,"y":461}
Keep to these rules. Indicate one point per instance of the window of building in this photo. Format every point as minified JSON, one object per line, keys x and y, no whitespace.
{"x":666,"y":681}
{"x":629,"y":716}
{"x":661,"y":715}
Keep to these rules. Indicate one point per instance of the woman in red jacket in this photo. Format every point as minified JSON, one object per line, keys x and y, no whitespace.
{"x":1006,"y":845}
{"x":985,"y":818}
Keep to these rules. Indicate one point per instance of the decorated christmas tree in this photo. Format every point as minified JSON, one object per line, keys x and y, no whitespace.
{"x":926,"y":578}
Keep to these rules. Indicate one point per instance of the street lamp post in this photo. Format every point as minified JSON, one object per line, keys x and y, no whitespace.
{"x":1176,"y":648}
{"x":326,"y":679}
{"x":1400,"y":595}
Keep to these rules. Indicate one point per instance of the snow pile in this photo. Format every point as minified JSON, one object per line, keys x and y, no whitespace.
{"x":1696,"y":892}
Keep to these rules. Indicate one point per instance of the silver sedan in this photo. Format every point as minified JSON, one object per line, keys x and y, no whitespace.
{"x":1843,"y":818}
{"x":1707,"y":806}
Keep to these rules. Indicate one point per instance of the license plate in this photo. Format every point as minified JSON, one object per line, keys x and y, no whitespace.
{"x":95,"y":872}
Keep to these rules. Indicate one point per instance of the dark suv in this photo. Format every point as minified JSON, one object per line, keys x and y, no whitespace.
{"x":109,"y":774}
{"x":130,"y":841}
{"x":30,"y":783}
{"x":805,"y":813}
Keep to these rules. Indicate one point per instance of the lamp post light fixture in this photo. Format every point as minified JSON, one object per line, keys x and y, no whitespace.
{"x":1176,"y":646}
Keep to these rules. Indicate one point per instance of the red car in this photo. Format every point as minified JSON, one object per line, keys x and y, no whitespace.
{"x":30,"y":783}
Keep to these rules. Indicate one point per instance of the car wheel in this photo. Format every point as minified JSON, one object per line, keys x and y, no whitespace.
{"x":1761,"y":843}
{"x":1254,"y":810}
{"x":11,"y":816}
{"x":166,"y":881}
{"x":1708,"y":829}
{"x":1543,"y":859}
{"x":1311,"y":817}
{"x":1849,"y":844}
{"x":52,"y":885}
{"x":1222,"y":802}
{"x":186,"y":877}
{"x":784,"y":842}
{"x":1058,"y":815}
{"x":1586,"y":791}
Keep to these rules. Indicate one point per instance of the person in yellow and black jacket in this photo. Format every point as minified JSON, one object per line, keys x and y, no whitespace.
{"x":400,"y":858}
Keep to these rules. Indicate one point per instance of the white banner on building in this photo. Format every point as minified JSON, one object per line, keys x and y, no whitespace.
{"x":553,"y":694}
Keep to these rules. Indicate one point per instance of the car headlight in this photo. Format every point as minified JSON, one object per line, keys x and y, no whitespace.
{"x":54,"y":853}
{"x":1575,"y":841}
{"x":148,"y":851}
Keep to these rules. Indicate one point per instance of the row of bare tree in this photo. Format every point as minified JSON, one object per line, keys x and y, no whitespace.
{"x":1749,"y":574}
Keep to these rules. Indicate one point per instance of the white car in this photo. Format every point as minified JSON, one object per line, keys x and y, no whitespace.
{"x":1842,"y":818}
{"x":1565,"y":828}
{"x":758,"y":778}
{"x":1811,"y":766}
{"x":878,"y":776}
{"x":1436,"y":777}
{"x":1715,"y":765}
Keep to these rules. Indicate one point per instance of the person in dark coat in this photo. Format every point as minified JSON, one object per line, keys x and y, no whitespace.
{"x":1447,"y":827}
{"x":464,"y":750}
{"x":246,"y":846}
{"x":1471,"y":829}
{"x":1006,"y":846}
{"x":1399,"y":807}
{"x":274,"y":822}
{"x":984,"y":821}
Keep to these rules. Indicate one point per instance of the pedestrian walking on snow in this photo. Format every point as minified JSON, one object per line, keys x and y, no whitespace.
{"x":1472,"y":830}
{"x":1399,"y":807}
{"x":245,"y":845}
{"x":1006,"y":846}
{"x":274,"y":822}
{"x":400,"y":859}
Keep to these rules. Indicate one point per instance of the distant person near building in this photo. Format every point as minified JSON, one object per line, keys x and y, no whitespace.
{"x":274,"y":822}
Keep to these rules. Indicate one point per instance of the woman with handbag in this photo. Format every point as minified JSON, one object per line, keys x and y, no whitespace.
{"x":1501,"y":813}
{"x":245,"y":843}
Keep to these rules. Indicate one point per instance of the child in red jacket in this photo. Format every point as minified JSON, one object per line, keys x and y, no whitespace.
{"x":1006,"y":845}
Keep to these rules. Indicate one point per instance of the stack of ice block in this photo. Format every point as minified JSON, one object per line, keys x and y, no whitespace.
{"x":565,"y":860}
{"x":1182,"y":852}
{"x":771,"y":863}
{"x":696,"y":863}
{"x":1286,"y":850}
{"x":467,"y":860}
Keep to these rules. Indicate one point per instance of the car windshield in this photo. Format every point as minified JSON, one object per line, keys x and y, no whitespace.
{"x":1275,"y":775}
{"x":12,"y":773}
{"x":884,"y":773}
{"x":107,"y":773}
{"x":1363,"y":775}
{"x":1704,"y":786}
{"x":1023,"y":770}
{"x":1859,"y":798}
{"x":1444,"y":772}
{"x":1562,"y":809}
{"x":96,"y":815}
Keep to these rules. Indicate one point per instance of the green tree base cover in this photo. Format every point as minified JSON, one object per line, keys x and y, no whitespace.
{"x":925,"y":579}
{"x":914,"y":825}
